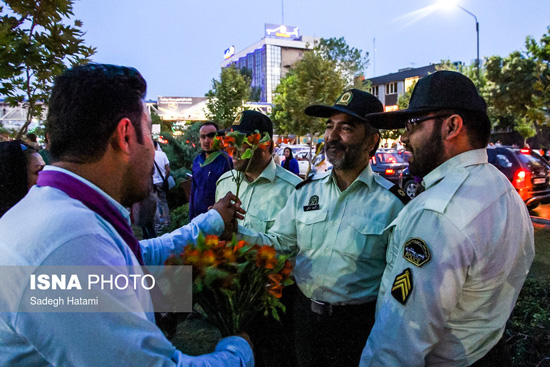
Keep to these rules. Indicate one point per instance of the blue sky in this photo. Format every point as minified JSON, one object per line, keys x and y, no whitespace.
{"x":178,"y":45}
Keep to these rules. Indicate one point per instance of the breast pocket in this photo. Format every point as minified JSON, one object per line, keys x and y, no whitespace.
{"x":311,"y":228}
{"x":367,"y":238}
{"x":260,"y":222}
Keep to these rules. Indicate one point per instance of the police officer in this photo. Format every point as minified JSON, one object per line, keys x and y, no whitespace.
{"x":460,"y":251}
{"x":263,"y":193}
{"x":335,"y":223}
{"x":266,"y":186}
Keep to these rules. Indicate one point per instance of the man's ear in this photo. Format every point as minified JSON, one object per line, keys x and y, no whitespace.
{"x":123,"y":135}
{"x":452,"y":127}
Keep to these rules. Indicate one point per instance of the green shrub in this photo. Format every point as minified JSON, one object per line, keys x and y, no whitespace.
{"x":528,"y":329}
{"x":179,"y":216}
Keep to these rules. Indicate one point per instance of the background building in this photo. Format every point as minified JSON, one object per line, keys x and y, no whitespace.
{"x":388,"y":88}
{"x":270,"y":58}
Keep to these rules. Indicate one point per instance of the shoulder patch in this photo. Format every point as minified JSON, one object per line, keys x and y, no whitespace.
{"x":305,"y":182}
{"x":402,"y":286}
{"x":416,"y":252}
{"x":401,"y":195}
{"x":287,"y":176}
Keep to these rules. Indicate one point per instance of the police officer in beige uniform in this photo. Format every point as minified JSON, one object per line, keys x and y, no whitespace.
{"x":335,"y":222}
{"x":460,"y":251}
{"x":263,"y":193}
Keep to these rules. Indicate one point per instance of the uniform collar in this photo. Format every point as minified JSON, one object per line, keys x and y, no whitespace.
{"x":269,"y":173}
{"x":469,"y":158}
{"x":366,"y":176}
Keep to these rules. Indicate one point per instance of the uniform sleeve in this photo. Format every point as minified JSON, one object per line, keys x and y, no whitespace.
{"x":282,"y":235}
{"x":112,"y":339}
{"x":155,"y":251}
{"x":419,"y":297}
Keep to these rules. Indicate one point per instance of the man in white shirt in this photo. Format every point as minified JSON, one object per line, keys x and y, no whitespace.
{"x":160,"y":175}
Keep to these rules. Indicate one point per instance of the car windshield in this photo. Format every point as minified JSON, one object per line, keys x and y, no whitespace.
{"x":529,"y":160}
{"x":389,"y":158}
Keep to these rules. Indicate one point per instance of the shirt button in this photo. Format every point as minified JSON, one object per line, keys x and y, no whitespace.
{"x":327,"y":251}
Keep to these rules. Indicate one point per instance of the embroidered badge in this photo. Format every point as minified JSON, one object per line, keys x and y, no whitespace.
{"x":402,"y":286}
{"x":238,"y":119}
{"x":416,"y":252}
{"x":345,"y":99}
{"x":313,"y":204}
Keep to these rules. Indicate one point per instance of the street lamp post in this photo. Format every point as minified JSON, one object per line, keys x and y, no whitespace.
{"x":477,"y":32}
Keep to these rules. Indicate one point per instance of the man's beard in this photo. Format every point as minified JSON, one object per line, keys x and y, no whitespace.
{"x":428,"y":156}
{"x":349,"y":158}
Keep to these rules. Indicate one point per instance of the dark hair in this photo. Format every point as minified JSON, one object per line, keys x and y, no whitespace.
{"x":209,"y":123}
{"x":478,"y":126}
{"x":86,"y":104}
{"x":32,"y":137}
{"x":286,"y":163}
{"x":14,"y":158}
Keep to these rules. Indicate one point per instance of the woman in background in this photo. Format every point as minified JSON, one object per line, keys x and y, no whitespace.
{"x":19,"y":167}
{"x":290,"y":163}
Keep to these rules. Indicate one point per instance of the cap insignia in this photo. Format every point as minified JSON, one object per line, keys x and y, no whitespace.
{"x":345,"y":99}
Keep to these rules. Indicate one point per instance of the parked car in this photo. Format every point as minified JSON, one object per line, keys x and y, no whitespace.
{"x":320,"y":164}
{"x":411,"y":186}
{"x":295,"y":149}
{"x":526,"y":170}
{"x":388,"y":164}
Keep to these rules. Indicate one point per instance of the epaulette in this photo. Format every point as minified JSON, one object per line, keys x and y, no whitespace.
{"x":313,"y":177}
{"x":401,"y":195}
{"x":305,"y":182}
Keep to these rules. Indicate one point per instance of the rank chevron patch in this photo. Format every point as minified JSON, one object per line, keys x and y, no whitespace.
{"x":402,"y":286}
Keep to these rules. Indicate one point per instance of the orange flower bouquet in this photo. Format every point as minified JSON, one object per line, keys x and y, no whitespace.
{"x":233,"y":281}
{"x":240,"y":148}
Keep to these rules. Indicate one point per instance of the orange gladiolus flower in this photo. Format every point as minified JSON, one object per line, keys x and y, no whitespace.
{"x":230,"y":151}
{"x":191,"y":256}
{"x":266,"y":257}
{"x":228,"y":255}
{"x":275,"y":279}
{"x":211,"y":241}
{"x":208,"y":258}
{"x":264,"y":146}
{"x":254,"y":139}
{"x":287,"y":269}
{"x":239,"y":245}
{"x":277,"y":291}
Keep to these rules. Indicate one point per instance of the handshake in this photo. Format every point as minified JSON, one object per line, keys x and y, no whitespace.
{"x":229,"y":207}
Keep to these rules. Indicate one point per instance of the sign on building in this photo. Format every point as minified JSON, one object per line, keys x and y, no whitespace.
{"x":282,"y":31}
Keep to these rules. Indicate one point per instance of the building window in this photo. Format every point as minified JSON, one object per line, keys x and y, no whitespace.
{"x":391,"y":88}
{"x":374,"y":91}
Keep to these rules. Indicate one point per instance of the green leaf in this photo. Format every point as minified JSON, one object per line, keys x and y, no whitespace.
{"x":247,"y":154}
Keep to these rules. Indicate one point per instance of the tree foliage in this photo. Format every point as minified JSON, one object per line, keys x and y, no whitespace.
{"x":319,"y":78}
{"x":350,"y":61}
{"x":36,"y":46}
{"x":518,"y":86}
{"x":312,"y":80}
{"x":227,"y":96}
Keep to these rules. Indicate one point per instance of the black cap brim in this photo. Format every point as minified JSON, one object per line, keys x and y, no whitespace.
{"x":394,"y":119}
{"x":327,"y":111}
{"x":398,"y":119}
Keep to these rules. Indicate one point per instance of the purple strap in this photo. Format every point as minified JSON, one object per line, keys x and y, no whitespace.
{"x":78,"y":190}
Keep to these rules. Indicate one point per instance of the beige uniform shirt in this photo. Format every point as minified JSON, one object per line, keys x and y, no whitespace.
{"x":263,"y":198}
{"x":458,"y":256}
{"x":339,"y":236}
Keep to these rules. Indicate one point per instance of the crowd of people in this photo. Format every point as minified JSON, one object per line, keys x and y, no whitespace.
{"x":380,"y":281}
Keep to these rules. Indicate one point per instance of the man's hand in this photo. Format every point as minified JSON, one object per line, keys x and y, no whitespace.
{"x":229,"y":207}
